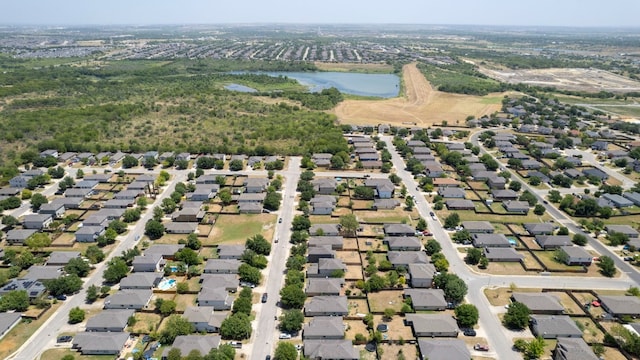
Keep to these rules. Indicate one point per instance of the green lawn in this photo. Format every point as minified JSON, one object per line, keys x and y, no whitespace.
{"x":237,"y":228}
{"x":57,"y":354}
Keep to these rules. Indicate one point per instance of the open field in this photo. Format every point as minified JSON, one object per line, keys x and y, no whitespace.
{"x":22,"y":332}
{"x":237,"y":229}
{"x":591,"y":80}
{"x":354,"y":67}
{"x":422,"y":105}
{"x":57,"y":354}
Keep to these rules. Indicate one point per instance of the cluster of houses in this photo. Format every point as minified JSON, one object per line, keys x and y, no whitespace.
{"x":364,"y":151}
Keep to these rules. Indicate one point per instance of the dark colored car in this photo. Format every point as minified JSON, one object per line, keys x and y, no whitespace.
{"x":64,"y":338}
{"x":469,"y":332}
{"x":279,"y":220}
{"x":264,"y":297}
{"x":61,"y":297}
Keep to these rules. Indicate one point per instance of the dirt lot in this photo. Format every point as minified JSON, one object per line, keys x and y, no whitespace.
{"x":355,"y":327}
{"x":501,"y":296}
{"x":392,"y":352}
{"x":349,"y":257}
{"x":592,"y":80}
{"x":385,"y":299}
{"x":422,"y":105}
{"x":397,"y":329}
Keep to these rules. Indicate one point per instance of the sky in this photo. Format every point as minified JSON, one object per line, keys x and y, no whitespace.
{"x":582,"y":13}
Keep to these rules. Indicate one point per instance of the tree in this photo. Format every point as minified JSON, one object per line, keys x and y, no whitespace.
{"x":363,"y":192}
{"x":174,"y":354}
{"x":291,"y":321}
{"x":258,"y":244}
{"x":432,"y":246}
{"x":292,"y":296}
{"x":517,"y":316}
{"x":300,"y":223}
{"x":337,"y":162}
{"x":17,"y":300}
{"x":237,"y":327}
{"x":63,"y":285}
{"x":38,"y":241}
{"x":452,"y":221}
{"x":467,"y":315}
{"x":92,"y":294}
{"x":272,"y":201}
{"x":554,"y":196}
{"x":243,"y":305}
{"x":225,"y":196}
{"x":388,"y":314}
{"x":534,"y":181}
{"x":116,"y":269}
{"x":579,"y":240}
{"x":193,"y":242}
{"x":454,"y":288}
{"x":421,"y":225}
{"x":188,"y":256}
{"x":409,"y":203}
{"x":539,"y":209}
{"x":176,"y":326}
{"x":607,"y":266}
{"x":617,"y":238}
{"x":131,"y":215}
{"x":535,"y":348}
{"x":76,"y":315}
{"x":349,"y":224}
{"x":236,"y":165}
{"x":38,"y":200}
{"x":167,"y":307}
{"x":94,"y":254}
{"x":249,"y":274}
{"x":154,"y":229}
{"x":129,"y":161}
{"x":168,"y":205}
{"x":375,"y":283}
{"x":285,"y":351}
{"x":528,"y":197}
{"x":77,"y":266}
{"x":9,"y":221}
{"x":484,"y":262}
{"x":473,"y":256}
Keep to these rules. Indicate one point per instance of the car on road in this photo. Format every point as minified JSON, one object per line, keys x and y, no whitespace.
{"x":247,"y":284}
{"x":235,"y":344}
{"x":264,"y":298}
{"x":284,"y":336}
{"x":276,"y":240}
{"x":268,"y":357}
{"x":469,"y":332}
{"x":279,"y":220}
{"x":61,"y":297}
{"x":64,"y":338}
{"x":481,"y":347}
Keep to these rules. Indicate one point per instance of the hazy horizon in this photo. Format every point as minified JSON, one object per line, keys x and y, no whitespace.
{"x":543,"y":13}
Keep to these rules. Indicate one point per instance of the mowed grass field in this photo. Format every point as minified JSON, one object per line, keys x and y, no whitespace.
{"x":421,"y":105}
{"x":236,"y":229}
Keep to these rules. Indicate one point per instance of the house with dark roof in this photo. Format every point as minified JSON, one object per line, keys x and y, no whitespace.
{"x":451,"y":192}
{"x":385,"y":204}
{"x":446,"y":182}
{"x":404,"y":258}
{"x":148,"y":263}
{"x":229,"y":282}
{"x":326,"y":306}
{"x":325,"y":267}
{"x":620,"y":305}
{"x":100,"y":343}
{"x":432,"y":325}
{"x":325,"y":229}
{"x":516,"y":206}
{"x":478,"y":227}
{"x":204,"y":318}
{"x":624,"y":229}
{"x":230,"y":251}
{"x":502,"y":254}
{"x":545,"y":228}
{"x":324,"y":286}
{"x":597,"y":173}
{"x":128,"y":299}
{"x":203,"y":344}
{"x":222,"y":266}
{"x":110,"y":320}
{"x":443,"y":349}
{"x":330,"y":349}
{"x":44,"y":272}
{"x":141,"y":280}
{"x":62,"y":258}
{"x":496,"y":182}
{"x":218,"y":298}
{"x":324,"y":327}
{"x":421,"y":275}
{"x":573,"y":349}
{"x":37,"y":221}
{"x":167,"y":251}
{"x":89,"y":233}
{"x":554,"y":326}
{"x":489,"y":240}
{"x":18,"y":236}
{"x":553,"y":241}
{"x":55,"y":208}
{"x":403,"y":243}
{"x":398,"y":230}
{"x":315,"y":253}
{"x":502,"y":195}
{"x":8,"y":321}
{"x":426,"y":299}
{"x":539,"y":303}
{"x":33,"y":287}
{"x":324,"y":186}
{"x":459,"y":204}
{"x":336,"y":242}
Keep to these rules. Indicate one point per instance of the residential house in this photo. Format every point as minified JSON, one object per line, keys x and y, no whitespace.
{"x":404,"y":258}
{"x":128,"y":299}
{"x":554,"y":326}
{"x":49,"y":152}
{"x":600,"y":145}
{"x":443,"y":349}
{"x":384,"y":188}
{"x":229,"y":282}
{"x":478,"y":227}
{"x":7,"y":321}
{"x":86,"y":184}
{"x":503,"y":195}
{"x":78,"y":192}
{"x":432,"y":325}
{"x":326,"y":306}
{"x":324,"y":327}
{"x":188,"y":215}
{"x":496,"y":182}
{"x":218,"y":298}
{"x":398,"y":230}
{"x":89,"y":233}
{"x":227,"y":251}
{"x":128,"y":194}
{"x":539,"y":303}
{"x":44,"y":272}
{"x":204,"y":318}
{"x":100,"y":343}
{"x":148,"y":263}
{"x":403,"y":243}
{"x":446,"y":182}
{"x":597,"y":173}
{"x":426,"y":299}
{"x":167,"y":251}
{"x":545,"y":228}
{"x":553,"y":241}
{"x":502,"y":254}
{"x":620,"y":305}
{"x":18,"y":236}
{"x":322,"y":208}
{"x":617,"y":200}
{"x":315,"y":253}
{"x":222,"y":266}
{"x":325,"y":229}
{"x":141,"y":280}
{"x":326,"y":267}
{"x":321,"y":159}
{"x":202,"y":344}
{"x":181,"y":227}
{"x":573,"y":349}
{"x":33,"y":287}
{"x":252,"y":198}
{"x":459,"y":204}
{"x":624,"y":229}
{"x":330,"y":349}
{"x":62,"y":258}
{"x":37,"y":221}
{"x":385,"y":204}
{"x":335,"y":242}
{"x":451,"y":192}
{"x":110,"y":320}
{"x":118,"y":204}
{"x":324,"y":286}
{"x":516,"y":207}
{"x":101,"y":178}
{"x":421,"y":275}
{"x":256,"y":185}
{"x":576,"y":255}
{"x":55,"y":208}
{"x":490,"y":240}
{"x":324,"y":186}
{"x":183,"y":156}
{"x":250,"y":208}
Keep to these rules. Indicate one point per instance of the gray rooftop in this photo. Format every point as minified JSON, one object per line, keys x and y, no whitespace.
{"x":330,"y":349}
{"x":324,"y":326}
{"x":188,"y":343}
{"x":538,"y":302}
{"x":432,"y":323}
{"x":62,"y":257}
{"x":100,"y":342}
{"x":551,"y":326}
{"x":621,"y":305}
{"x":574,"y":349}
{"x":477,"y":226}
{"x":108,"y":319}
{"x":328,"y":304}
{"x":433,"y":298}
{"x":443,"y":349}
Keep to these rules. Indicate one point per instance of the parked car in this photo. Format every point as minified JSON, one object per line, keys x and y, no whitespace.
{"x":480,"y":347}
{"x":61,"y":297}
{"x":279,"y":220}
{"x":235,"y":344}
{"x":264,"y":298}
{"x":284,"y":336}
{"x":64,"y":338}
{"x":469,"y":332}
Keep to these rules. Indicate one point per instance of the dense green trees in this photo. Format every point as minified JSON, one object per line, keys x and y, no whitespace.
{"x":517,"y":316}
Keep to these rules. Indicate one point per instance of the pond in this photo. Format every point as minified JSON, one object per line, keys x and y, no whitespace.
{"x":240,"y":88}
{"x":376,"y":85}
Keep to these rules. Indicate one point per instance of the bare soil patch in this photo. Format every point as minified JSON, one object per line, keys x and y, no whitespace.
{"x":421,"y":105}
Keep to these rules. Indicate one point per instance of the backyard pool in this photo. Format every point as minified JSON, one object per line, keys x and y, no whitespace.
{"x":166,"y":284}
{"x":512,"y":241}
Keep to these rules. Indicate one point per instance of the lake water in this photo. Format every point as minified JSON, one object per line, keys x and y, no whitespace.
{"x":240,"y":88}
{"x":377,"y":85}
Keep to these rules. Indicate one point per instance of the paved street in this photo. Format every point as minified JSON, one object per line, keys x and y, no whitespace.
{"x":45,"y":336}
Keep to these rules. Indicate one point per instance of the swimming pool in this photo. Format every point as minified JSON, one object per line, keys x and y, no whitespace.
{"x":166,"y":284}
{"x":512,"y":240}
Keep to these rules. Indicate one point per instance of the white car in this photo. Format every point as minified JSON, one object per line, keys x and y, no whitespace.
{"x":284,"y":336}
